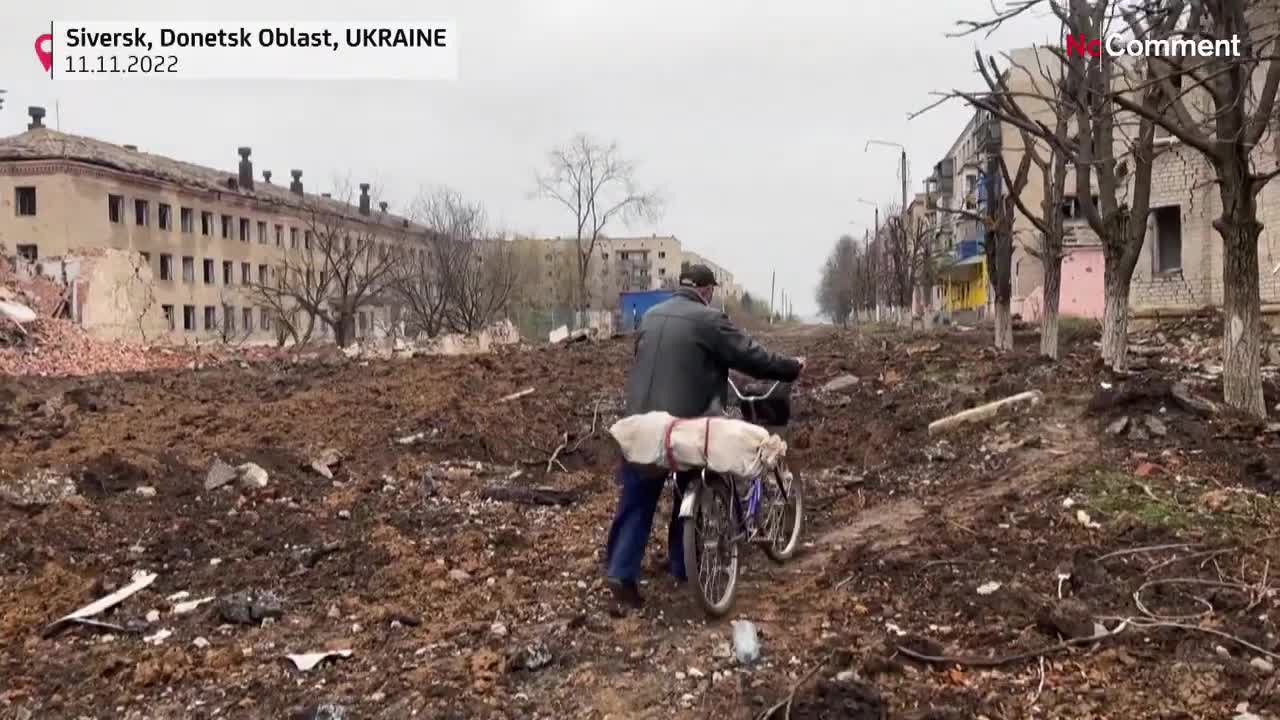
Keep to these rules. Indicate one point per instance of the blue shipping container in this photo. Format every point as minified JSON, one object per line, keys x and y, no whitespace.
{"x":633,"y":306}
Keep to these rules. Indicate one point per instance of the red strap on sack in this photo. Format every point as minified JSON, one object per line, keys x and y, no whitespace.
{"x":670,"y":453}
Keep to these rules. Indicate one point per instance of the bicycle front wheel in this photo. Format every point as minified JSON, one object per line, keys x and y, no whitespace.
{"x":783,"y":507}
{"x":711,"y":548}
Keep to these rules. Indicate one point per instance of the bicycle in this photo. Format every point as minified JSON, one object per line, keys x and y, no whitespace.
{"x":715,"y":520}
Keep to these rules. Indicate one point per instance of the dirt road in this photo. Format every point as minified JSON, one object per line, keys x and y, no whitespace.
{"x":1001,"y":546}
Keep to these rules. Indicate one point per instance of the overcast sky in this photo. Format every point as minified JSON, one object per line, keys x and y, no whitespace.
{"x":750,"y":117}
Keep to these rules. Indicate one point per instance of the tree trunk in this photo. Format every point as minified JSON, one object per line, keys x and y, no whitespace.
{"x":1004,"y":324}
{"x":1115,"y":315}
{"x":1049,"y":316}
{"x":1242,"y":332}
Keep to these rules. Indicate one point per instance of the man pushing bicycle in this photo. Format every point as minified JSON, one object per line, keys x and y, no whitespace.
{"x":684,"y":351}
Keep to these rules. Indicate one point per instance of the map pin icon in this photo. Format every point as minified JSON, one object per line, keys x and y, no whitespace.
{"x":46,"y":56}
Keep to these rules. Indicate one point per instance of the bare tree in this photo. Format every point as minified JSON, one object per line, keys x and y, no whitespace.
{"x":1222,"y":106}
{"x":597,"y":186}
{"x":342,"y":268}
{"x":837,"y":287}
{"x":1046,"y":141}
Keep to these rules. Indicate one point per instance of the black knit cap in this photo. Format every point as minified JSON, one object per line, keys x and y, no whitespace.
{"x":697,"y":276}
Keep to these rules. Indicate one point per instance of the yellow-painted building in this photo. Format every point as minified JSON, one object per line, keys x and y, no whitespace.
{"x":964,"y":284}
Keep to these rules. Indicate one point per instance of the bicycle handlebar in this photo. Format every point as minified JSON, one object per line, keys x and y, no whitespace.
{"x":765,"y":396}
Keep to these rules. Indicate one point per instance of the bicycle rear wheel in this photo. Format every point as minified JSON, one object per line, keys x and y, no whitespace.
{"x":710,"y":546}
{"x":783,"y":507}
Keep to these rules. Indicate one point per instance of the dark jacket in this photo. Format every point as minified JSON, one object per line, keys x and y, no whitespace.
{"x":684,"y":352}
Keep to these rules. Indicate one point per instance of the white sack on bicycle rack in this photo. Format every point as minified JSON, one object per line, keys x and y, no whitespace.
{"x":731,"y":446}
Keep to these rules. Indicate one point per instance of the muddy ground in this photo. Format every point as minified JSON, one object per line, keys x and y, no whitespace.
{"x":1003,"y":552}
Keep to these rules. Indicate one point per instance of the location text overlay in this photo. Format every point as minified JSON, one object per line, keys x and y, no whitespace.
{"x":250,"y":50}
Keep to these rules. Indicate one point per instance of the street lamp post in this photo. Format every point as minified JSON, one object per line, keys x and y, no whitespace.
{"x":903,"y":162}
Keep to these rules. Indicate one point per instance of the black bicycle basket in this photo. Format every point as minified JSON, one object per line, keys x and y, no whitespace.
{"x":773,"y":411}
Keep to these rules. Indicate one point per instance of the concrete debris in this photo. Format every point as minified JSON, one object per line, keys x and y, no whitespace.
{"x":1083,"y":518}
{"x":459,"y":575}
{"x":1155,"y":426}
{"x":532,"y":657}
{"x":558,"y":335}
{"x":306,"y":661}
{"x":220,"y":473}
{"x":840,"y":383}
{"x":37,"y":489}
{"x":1263,"y":665}
{"x":327,"y":711}
{"x":200,"y":643}
{"x":988,"y":588}
{"x":1119,"y":426}
{"x":984,"y":412}
{"x":252,"y":476}
{"x":324,"y":462}
{"x":153,"y":616}
{"x":250,"y":608}
{"x":145,"y":491}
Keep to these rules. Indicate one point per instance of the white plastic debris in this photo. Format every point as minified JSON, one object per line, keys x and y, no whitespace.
{"x":141,"y":579}
{"x":988,"y":587}
{"x":306,"y":661}
{"x":1068,"y":503}
{"x":746,"y":642}
{"x":186,"y":607}
{"x":18,"y":313}
{"x":1083,"y":518}
{"x":159,"y":637}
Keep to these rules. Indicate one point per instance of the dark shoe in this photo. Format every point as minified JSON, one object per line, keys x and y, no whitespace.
{"x":626,"y":593}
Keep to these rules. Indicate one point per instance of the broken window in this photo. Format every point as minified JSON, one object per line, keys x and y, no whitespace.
{"x":25,"y":200}
{"x":1168,"y":247}
{"x":206,"y":223}
{"x":262,"y":275}
{"x":246,"y":277}
{"x":279,"y":236}
{"x":248,"y":319}
{"x":1071,"y":209}
{"x":226,"y":227}
{"x":228,"y":273}
{"x":293,"y":238}
{"x":188,"y":269}
{"x":142,"y":213}
{"x":165,"y":216}
{"x":115,"y":208}
{"x":187,"y":220}
{"x":306,"y":240}
{"x":662,"y":254}
{"x":29,"y":253}
{"x":264,"y":318}
{"x":364,"y":322}
{"x":244,"y":229}
{"x":210,"y":317}
{"x":168,"y":315}
{"x":210,"y":274}
{"x":262,"y":233}
{"x":229,"y":317}
{"x":166,"y":266}
{"x":188,"y":317}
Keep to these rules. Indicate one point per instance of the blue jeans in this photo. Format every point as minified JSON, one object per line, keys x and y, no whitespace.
{"x":633,"y":522}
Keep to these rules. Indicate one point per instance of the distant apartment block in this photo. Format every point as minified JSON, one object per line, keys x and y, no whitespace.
{"x":205,"y":235}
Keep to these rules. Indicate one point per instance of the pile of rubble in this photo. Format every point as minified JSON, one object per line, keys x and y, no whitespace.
{"x":53,"y":347}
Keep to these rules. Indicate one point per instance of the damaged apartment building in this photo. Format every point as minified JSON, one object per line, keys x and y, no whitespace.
{"x":1178,"y":272}
{"x":150,"y":247}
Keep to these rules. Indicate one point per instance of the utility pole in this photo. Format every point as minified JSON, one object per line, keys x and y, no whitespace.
{"x":773,"y":280}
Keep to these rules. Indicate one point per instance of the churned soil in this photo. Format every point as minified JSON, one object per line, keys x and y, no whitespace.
{"x":456,"y":551}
